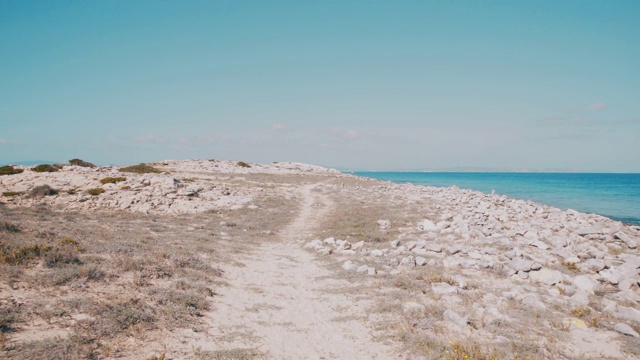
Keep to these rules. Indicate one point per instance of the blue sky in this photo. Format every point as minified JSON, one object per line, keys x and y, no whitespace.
{"x":364,"y":85}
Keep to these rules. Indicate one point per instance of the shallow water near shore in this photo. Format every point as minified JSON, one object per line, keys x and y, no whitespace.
{"x":613,"y":195}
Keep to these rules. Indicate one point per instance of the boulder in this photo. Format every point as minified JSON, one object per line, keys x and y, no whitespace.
{"x":546,"y":276}
{"x":630,"y":241}
{"x":625,"y":330}
{"x":443,"y":289}
{"x":427,"y":225}
{"x":456,"y":319}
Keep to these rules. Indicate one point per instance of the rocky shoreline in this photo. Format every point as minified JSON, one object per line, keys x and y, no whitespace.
{"x":499,"y":258}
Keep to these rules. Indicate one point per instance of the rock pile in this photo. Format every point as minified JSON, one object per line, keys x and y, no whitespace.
{"x":185,"y":186}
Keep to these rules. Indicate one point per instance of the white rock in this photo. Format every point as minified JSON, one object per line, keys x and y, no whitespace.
{"x":520,"y":264}
{"x":533,"y":302}
{"x":631,"y":242}
{"x":325,"y":251}
{"x":407,"y":262}
{"x":546,"y":276}
{"x":443,"y":289}
{"x":411,"y":307}
{"x":377,"y":252}
{"x":330,"y":241}
{"x":358,"y":245}
{"x":420,"y":261}
{"x":384,"y":224}
{"x":362,"y":269}
{"x":585,"y":283}
{"x":625,"y":329}
{"x":628,"y":313}
{"x":427,"y":225}
{"x":394,"y":243}
{"x":456,"y":319}
{"x":313,"y":244}
{"x":371,"y":270}
{"x":349,"y":265}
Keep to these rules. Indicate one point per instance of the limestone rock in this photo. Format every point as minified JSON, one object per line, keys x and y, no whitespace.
{"x":411,"y":307}
{"x":625,"y":329}
{"x":456,"y":319}
{"x":427,"y":225}
{"x":443,"y":289}
{"x":407,"y":262}
{"x":384,"y":224}
{"x":546,"y":276}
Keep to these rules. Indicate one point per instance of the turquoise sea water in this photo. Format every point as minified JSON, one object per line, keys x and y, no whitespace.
{"x":613,"y":195}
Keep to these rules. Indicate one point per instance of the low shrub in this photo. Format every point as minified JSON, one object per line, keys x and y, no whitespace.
{"x":80,"y":162}
{"x":95,"y":191}
{"x":45,"y":168}
{"x":8,"y":227}
{"x":112,"y":180}
{"x":140,"y":169}
{"x":243,"y":164}
{"x":42,"y":191}
{"x":12,"y":193}
{"x":9,"y":170}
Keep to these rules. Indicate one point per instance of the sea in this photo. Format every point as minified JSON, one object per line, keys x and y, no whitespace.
{"x":616,"y":196}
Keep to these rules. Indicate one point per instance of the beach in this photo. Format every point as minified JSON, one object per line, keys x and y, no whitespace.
{"x":213,"y":259}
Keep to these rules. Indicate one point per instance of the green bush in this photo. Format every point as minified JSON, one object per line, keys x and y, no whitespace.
{"x":95,"y":191}
{"x":80,"y":162}
{"x":9,"y":170}
{"x":42,"y":191}
{"x":243,"y":164}
{"x":12,"y":193}
{"x":46,"y":168}
{"x":140,"y":169}
{"x":112,"y":180}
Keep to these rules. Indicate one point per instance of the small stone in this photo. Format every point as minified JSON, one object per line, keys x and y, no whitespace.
{"x":394,"y":243}
{"x":358,"y":245}
{"x":443,"y":289}
{"x":420,"y":261}
{"x":384,"y":224}
{"x":330,"y":241}
{"x":371,"y":270}
{"x":625,"y":329}
{"x":533,"y":302}
{"x":427,"y":225}
{"x":407,"y":262}
{"x":456,"y":319}
{"x":411,"y":307}
{"x":325,"y":251}
{"x":362,"y":269}
{"x":546,"y":276}
{"x":377,"y":252}
{"x":349,"y":265}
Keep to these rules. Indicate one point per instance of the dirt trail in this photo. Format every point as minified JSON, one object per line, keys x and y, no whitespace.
{"x":281,"y":302}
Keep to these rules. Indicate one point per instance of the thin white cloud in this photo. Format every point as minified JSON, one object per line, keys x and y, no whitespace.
{"x":278,"y":126}
{"x":3,"y":141}
{"x":345,"y":134}
{"x":596,"y":106}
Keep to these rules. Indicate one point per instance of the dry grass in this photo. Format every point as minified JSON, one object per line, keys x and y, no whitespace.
{"x":127,"y":276}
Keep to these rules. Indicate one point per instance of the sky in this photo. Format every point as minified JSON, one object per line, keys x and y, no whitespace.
{"x":354,"y":85}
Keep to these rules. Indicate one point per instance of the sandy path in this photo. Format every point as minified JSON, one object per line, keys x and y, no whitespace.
{"x":281,"y":304}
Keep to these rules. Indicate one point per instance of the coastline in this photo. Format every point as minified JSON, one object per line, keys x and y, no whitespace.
{"x":437,"y":264}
